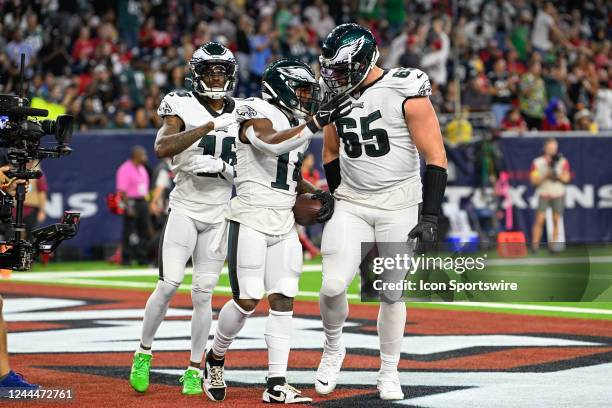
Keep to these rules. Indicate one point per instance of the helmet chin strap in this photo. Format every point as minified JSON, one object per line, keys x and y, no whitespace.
{"x":372,"y":64}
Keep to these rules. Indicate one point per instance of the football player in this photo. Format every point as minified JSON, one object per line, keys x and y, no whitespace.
{"x":372,"y":163}
{"x":198,"y":134}
{"x":264,"y":253}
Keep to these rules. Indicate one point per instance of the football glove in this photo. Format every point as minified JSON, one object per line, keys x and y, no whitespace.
{"x":205,"y":164}
{"x":327,"y":200}
{"x":337,"y":107}
{"x":425,"y":232}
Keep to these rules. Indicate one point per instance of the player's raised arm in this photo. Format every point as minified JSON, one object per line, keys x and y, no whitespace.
{"x":264,"y":137}
{"x":424,"y":129}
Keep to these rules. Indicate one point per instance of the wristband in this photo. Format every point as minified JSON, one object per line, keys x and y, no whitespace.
{"x":434,"y":184}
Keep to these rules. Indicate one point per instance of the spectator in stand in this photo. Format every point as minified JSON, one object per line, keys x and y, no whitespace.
{"x":459,"y":130}
{"x":221,"y":26}
{"x":584,"y":122}
{"x":532,"y":96}
{"x":261,"y":52}
{"x":434,"y":62}
{"x":556,"y":117}
{"x":603,"y":105}
{"x":514,"y":121}
{"x":503,"y":90}
{"x":243,"y":51}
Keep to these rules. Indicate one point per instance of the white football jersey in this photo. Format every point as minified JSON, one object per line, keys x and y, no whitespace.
{"x":377,"y":154}
{"x":203,"y":197}
{"x":265,"y":184}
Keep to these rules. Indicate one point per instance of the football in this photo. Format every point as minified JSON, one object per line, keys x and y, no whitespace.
{"x":306,"y":209}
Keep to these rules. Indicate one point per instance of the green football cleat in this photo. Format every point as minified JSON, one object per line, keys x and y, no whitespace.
{"x":192,"y":382}
{"x":139,"y":375}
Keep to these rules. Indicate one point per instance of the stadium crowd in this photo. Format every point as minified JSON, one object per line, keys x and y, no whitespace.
{"x":533,"y":64}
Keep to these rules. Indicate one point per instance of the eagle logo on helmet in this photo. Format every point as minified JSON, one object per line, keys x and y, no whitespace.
{"x":297,"y":73}
{"x":343,"y":53}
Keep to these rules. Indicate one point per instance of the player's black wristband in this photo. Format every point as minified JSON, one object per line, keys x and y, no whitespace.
{"x":434,"y":184}
{"x":312,"y":126}
{"x":332,"y":173}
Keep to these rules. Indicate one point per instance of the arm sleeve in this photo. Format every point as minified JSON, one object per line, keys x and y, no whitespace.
{"x":274,"y":149}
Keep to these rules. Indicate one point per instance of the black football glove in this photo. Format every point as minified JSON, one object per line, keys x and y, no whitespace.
{"x":425,"y":232}
{"x":327,"y":200}
{"x":337,"y":107}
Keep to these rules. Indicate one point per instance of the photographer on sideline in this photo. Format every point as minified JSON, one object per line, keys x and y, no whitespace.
{"x":549,"y":174}
{"x":8,"y":378}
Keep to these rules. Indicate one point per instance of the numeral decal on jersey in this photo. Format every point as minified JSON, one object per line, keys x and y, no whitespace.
{"x":376,"y":141}
{"x":282,"y":169}
{"x":402,"y":72}
{"x":228,"y":151}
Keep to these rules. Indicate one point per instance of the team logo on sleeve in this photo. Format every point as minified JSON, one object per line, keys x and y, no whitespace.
{"x":165,"y":108}
{"x":425,"y":88}
{"x":245,"y":112}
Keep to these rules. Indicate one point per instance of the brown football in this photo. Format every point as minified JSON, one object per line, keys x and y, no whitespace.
{"x":306,"y":209}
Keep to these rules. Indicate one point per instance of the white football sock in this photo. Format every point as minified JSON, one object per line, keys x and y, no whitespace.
{"x":334,"y":311}
{"x":229,"y":323}
{"x":155,"y":311}
{"x":391,"y":325}
{"x":200,"y":323}
{"x":278,"y":339}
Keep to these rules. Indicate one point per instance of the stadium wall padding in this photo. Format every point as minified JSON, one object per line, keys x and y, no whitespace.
{"x":82,"y":181}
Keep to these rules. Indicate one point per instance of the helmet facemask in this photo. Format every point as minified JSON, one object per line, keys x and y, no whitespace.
{"x":213,"y":79}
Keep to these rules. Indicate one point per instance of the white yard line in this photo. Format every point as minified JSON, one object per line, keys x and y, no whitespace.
{"x":151,"y":285}
{"x":544,"y":308}
{"x":114,"y":273}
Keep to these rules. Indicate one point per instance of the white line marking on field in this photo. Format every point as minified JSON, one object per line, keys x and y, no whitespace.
{"x":514,"y":306}
{"x":151,"y":285}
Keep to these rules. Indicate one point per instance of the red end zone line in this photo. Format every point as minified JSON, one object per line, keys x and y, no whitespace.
{"x":420,"y":321}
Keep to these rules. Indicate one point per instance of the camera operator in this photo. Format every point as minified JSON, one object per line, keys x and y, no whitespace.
{"x":549,"y":174}
{"x":35,"y":202}
{"x":8,"y":378}
{"x":133,"y":183}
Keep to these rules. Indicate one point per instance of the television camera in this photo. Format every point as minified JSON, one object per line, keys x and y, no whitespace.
{"x":21,"y":137}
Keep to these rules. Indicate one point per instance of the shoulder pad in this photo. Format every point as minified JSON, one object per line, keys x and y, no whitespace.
{"x":409,"y":82}
{"x":169,"y":106}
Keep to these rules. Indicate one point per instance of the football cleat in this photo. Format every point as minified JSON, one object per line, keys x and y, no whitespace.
{"x":389,"y":387}
{"x":279,"y":392}
{"x":139,"y":375}
{"x":327,"y":373}
{"x":192,"y":381}
{"x":14,"y":380}
{"x":214,"y":383}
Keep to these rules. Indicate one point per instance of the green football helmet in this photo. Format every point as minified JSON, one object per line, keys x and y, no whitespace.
{"x":291,"y":85}
{"x":348,"y":54}
{"x":213,"y":70}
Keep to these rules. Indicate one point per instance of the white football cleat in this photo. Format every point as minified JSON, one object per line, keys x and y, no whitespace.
{"x":389,"y":387}
{"x":284,"y":394}
{"x":327,"y":374}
